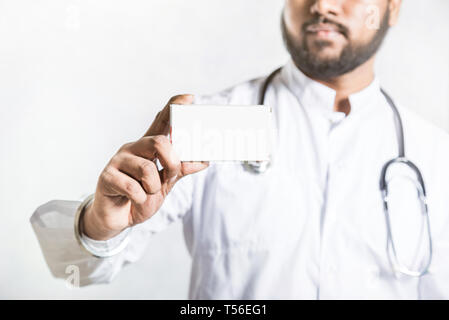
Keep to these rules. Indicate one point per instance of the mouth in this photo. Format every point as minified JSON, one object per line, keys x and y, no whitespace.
{"x":324,"y":31}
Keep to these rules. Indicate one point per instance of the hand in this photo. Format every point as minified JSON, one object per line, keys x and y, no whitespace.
{"x":130,"y":189}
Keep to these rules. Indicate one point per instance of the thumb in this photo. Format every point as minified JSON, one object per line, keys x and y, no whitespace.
{"x":161,"y":124}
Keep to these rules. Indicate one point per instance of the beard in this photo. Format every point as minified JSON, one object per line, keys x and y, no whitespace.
{"x":352,"y":55}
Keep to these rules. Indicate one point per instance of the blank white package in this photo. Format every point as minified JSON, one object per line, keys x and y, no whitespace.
{"x":221,"y":133}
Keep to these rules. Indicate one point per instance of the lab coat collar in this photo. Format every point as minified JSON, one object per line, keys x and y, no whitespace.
{"x":316,"y":96}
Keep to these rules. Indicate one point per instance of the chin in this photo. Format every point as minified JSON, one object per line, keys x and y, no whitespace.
{"x":330,"y":49}
{"x":326,"y":54}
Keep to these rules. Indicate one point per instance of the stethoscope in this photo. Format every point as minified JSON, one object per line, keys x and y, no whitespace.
{"x":397,"y":265}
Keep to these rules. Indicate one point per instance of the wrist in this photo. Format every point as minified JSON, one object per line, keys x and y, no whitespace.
{"x":108,"y":243}
{"x":93,"y":226}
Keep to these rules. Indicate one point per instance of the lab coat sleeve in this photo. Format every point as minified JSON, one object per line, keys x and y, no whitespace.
{"x":53,"y":224}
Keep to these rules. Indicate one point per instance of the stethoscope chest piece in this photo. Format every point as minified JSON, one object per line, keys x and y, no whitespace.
{"x":258,"y":167}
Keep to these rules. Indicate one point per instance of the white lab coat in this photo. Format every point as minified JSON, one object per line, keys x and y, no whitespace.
{"x":311,"y":227}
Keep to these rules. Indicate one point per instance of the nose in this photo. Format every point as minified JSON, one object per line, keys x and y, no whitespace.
{"x":325,"y":7}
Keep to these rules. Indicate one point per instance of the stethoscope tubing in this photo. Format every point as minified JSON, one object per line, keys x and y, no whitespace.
{"x":401,"y":158}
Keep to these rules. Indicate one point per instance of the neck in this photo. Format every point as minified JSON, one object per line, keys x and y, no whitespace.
{"x":350,"y":83}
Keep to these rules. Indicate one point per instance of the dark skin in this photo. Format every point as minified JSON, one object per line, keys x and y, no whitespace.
{"x":353,"y":14}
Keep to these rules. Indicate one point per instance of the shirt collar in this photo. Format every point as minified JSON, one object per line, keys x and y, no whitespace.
{"x":314,"y":95}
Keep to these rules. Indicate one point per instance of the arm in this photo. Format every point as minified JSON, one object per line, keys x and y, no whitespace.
{"x":53,"y":224}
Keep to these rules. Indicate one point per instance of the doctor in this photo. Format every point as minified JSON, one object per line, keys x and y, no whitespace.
{"x":313,"y":225}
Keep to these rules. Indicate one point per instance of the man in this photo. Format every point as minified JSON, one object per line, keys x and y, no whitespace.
{"x":312,"y":225}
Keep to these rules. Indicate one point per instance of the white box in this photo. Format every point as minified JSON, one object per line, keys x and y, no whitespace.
{"x":221,"y":133}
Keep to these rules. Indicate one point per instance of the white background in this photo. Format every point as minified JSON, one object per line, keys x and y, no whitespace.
{"x":79,"y":78}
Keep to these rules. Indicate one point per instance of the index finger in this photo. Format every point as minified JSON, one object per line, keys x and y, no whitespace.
{"x":161,"y":124}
